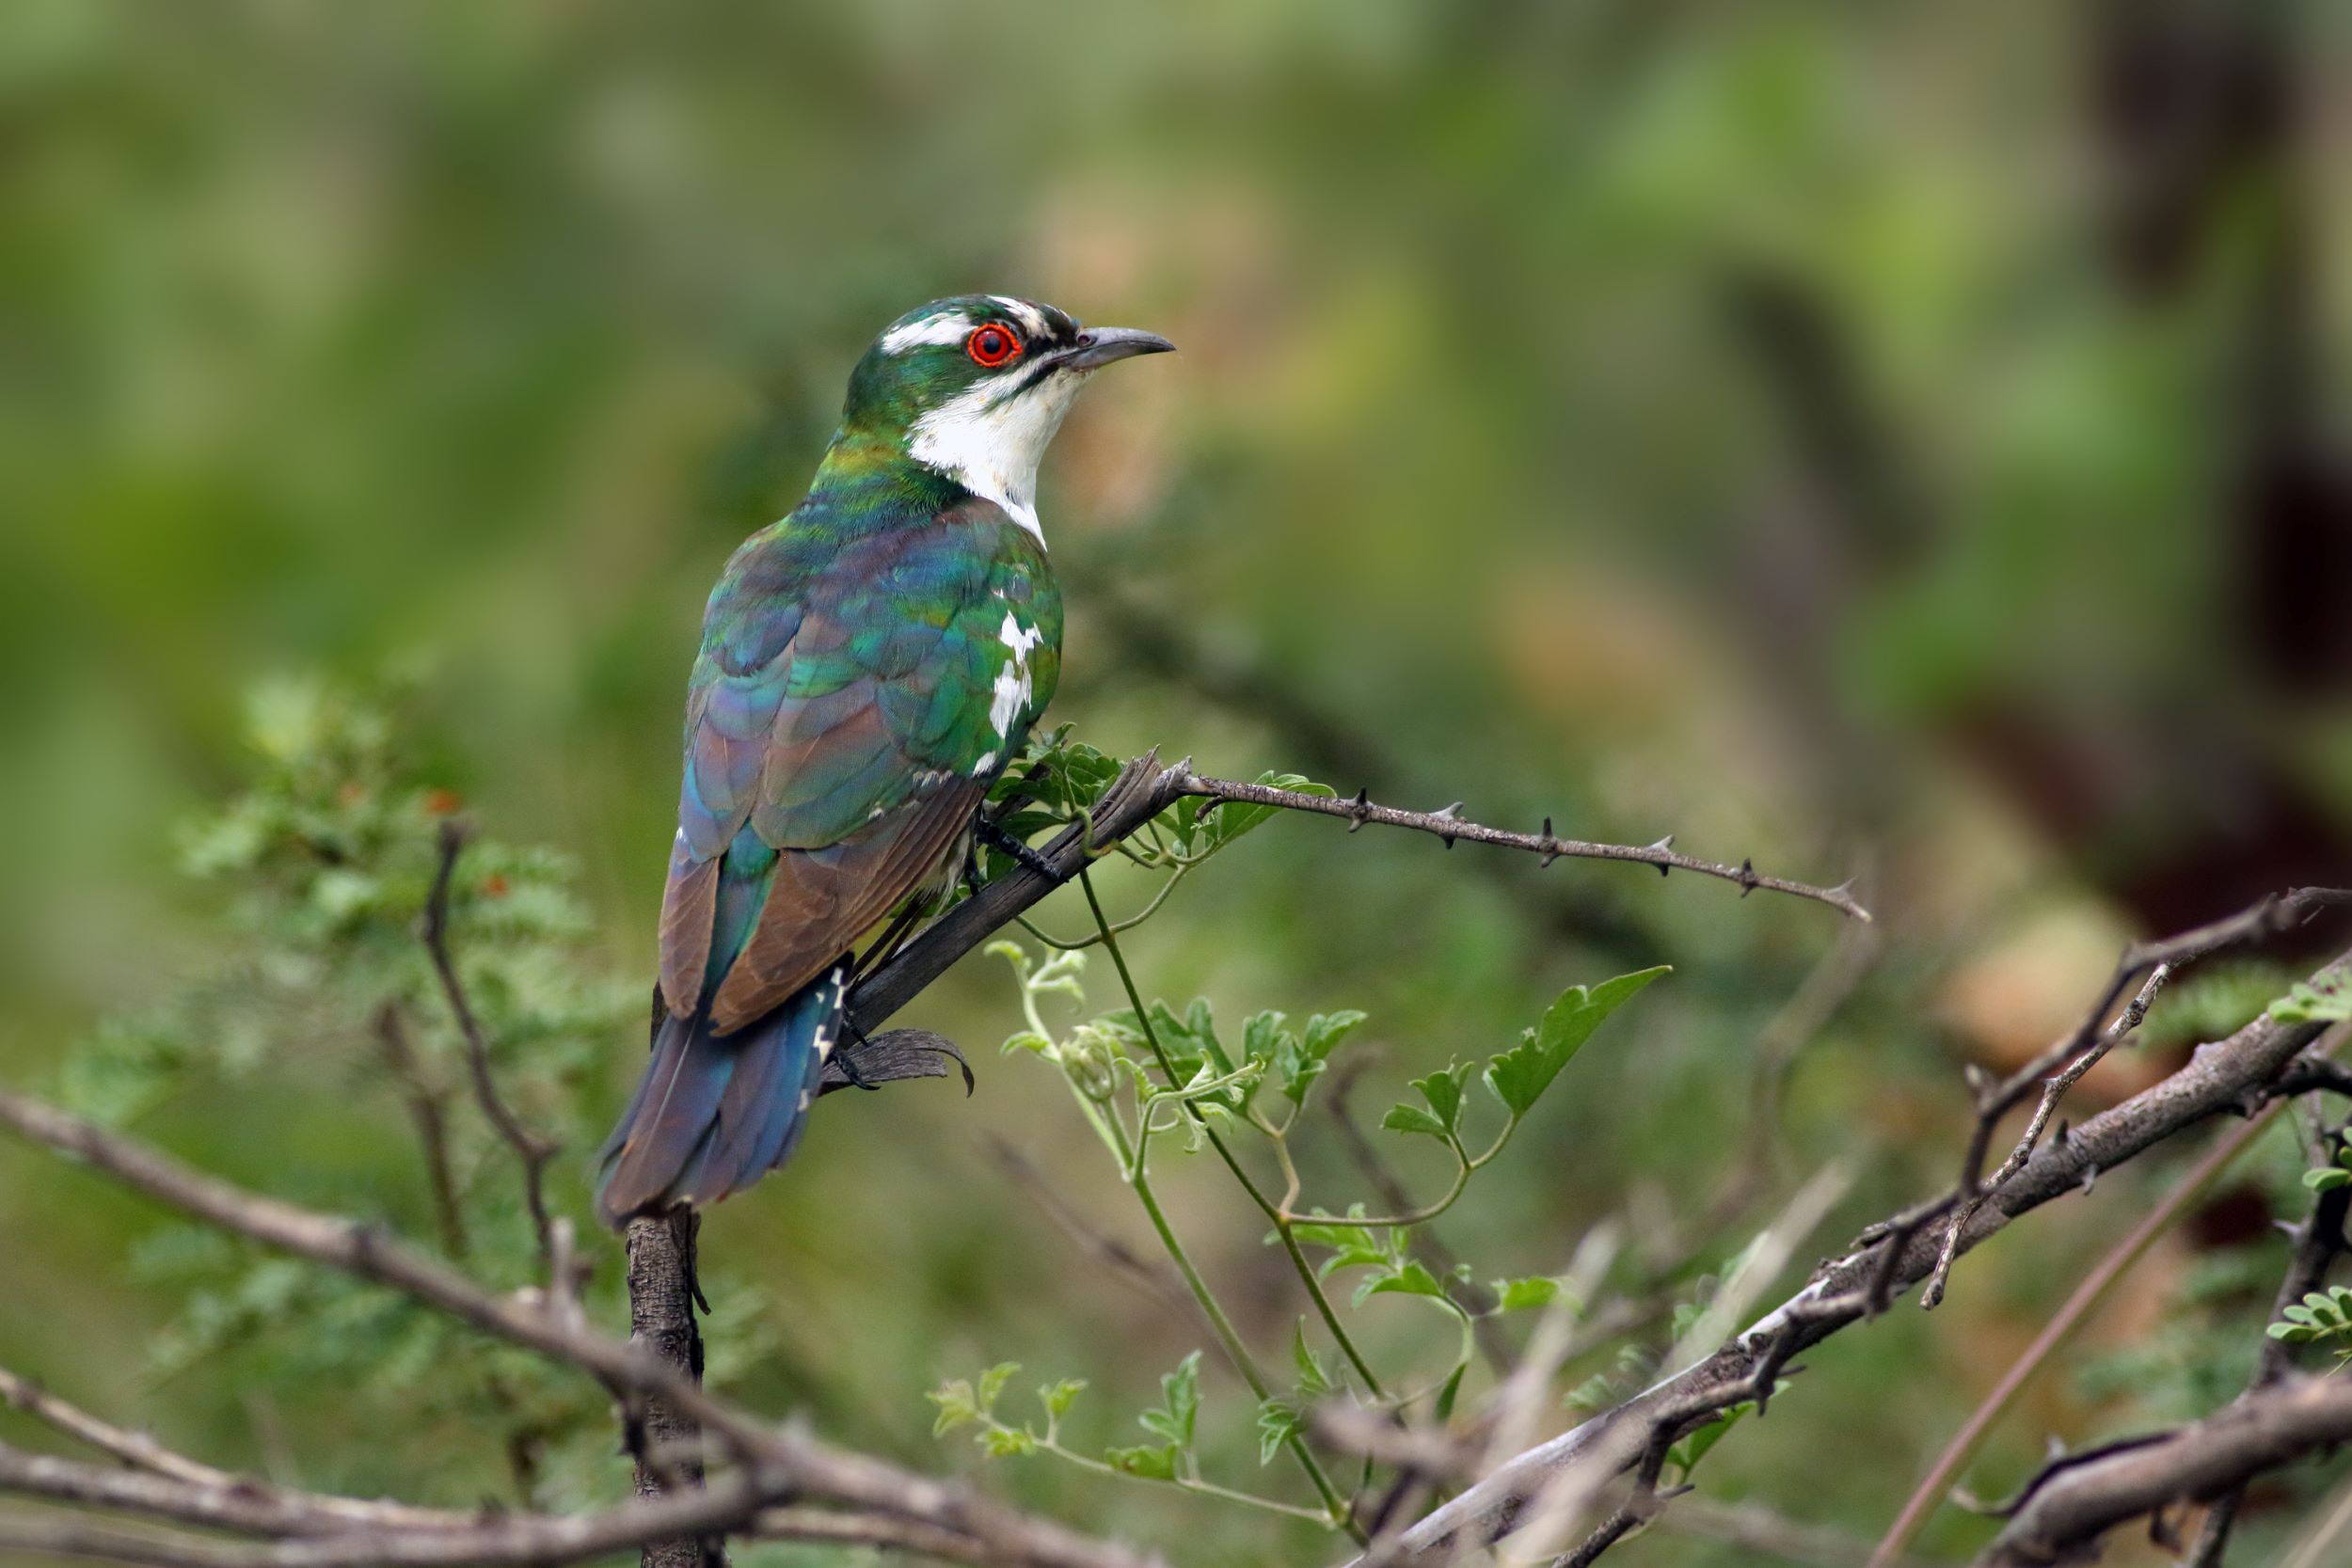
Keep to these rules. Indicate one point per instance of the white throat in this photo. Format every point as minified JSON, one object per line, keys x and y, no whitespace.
{"x":991,"y":444}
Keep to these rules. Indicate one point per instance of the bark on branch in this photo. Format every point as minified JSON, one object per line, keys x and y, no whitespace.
{"x":2230,"y":1076}
{"x":2081,"y":1496}
{"x":769,"y":1466}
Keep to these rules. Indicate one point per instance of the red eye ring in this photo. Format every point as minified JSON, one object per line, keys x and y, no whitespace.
{"x":992,"y":345}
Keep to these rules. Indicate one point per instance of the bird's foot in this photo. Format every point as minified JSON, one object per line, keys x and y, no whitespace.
{"x":846,"y":1059}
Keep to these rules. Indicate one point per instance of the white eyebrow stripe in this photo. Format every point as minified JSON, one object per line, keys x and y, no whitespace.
{"x":1031,"y":317}
{"x":949,"y":326}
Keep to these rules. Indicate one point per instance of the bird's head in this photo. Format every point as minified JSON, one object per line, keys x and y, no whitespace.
{"x":974,"y":388}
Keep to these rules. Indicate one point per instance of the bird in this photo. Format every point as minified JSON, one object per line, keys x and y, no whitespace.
{"x":869,"y":666}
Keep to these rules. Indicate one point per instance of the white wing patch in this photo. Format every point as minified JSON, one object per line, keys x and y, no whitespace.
{"x":1012,"y":682}
{"x":949,"y":326}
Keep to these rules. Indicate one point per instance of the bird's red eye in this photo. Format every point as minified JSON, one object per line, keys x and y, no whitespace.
{"x":991,"y":346}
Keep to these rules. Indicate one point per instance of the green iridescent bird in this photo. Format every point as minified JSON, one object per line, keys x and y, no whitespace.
{"x":868,"y":665}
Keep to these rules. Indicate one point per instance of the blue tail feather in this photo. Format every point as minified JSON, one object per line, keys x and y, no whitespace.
{"x":716,"y":1113}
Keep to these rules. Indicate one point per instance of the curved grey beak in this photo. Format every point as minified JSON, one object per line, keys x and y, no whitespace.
{"x":1100,"y":346}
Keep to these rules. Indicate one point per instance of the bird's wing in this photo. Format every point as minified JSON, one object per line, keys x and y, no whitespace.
{"x":845,"y":719}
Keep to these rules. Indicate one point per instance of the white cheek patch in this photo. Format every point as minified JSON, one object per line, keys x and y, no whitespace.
{"x":949,"y":326}
{"x":991,"y":444}
{"x":1013,"y":688}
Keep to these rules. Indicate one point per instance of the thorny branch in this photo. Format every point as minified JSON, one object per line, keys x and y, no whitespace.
{"x":1448,"y":825}
{"x":1144,"y":789}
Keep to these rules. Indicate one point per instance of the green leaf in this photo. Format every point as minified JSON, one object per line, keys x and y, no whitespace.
{"x":1299,"y":1059}
{"x":1277,"y":1423}
{"x":1001,"y":1442}
{"x":2293,"y":1334}
{"x":2326,"y":1178}
{"x":2308,"y":1003}
{"x":1594,"y":1393}
{"x":1150,"y":1464}
{"x":1259,"y":1035}
{"x":1518,"y":1295}
{"x":1179,"y":1405}
{"x":1686,"y":1455}
{"x":1057,"y":1397}
{"x":957,"y":1407}
{"x":1412,"y":1118}
{"x":1443,"y":1091}
{"x":1407,"y":1278}
{"x":1314,"y":1380}
{"x":991,"y":1383}
{"x":1519,"y":1076}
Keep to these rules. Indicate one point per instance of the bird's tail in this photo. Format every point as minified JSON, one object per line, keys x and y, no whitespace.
{"x":716,"y":1113}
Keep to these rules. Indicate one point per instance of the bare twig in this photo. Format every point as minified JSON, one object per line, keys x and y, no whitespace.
{"x":487,"y":1543}
{"x":2228,"y":1076}
{"x":135,"y":1449}
{"x":2081,"y":1050}
{"x":2079,"y":1497}
{"x":2077,"y":1307}
{"x":533,"y":1150}
{"x":215,"y":1498}
{"x":776,"y":1466}
{"x":428,"y":1108}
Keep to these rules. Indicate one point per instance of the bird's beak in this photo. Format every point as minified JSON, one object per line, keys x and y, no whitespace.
{"x":1100,"y":346}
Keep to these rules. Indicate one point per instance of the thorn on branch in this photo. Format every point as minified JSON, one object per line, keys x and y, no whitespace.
{"x":1362,"y":802}
{"x":1551,"y":844}
{"x":1747,"y":878}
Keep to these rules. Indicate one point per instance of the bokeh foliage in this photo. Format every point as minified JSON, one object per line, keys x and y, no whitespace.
{"x":1860,"y":437}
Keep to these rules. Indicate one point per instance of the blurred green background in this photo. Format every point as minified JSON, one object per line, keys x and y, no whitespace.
{"x":1904,"y":440}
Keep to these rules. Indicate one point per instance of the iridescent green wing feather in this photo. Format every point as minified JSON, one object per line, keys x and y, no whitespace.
{"x":853,"y":699}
